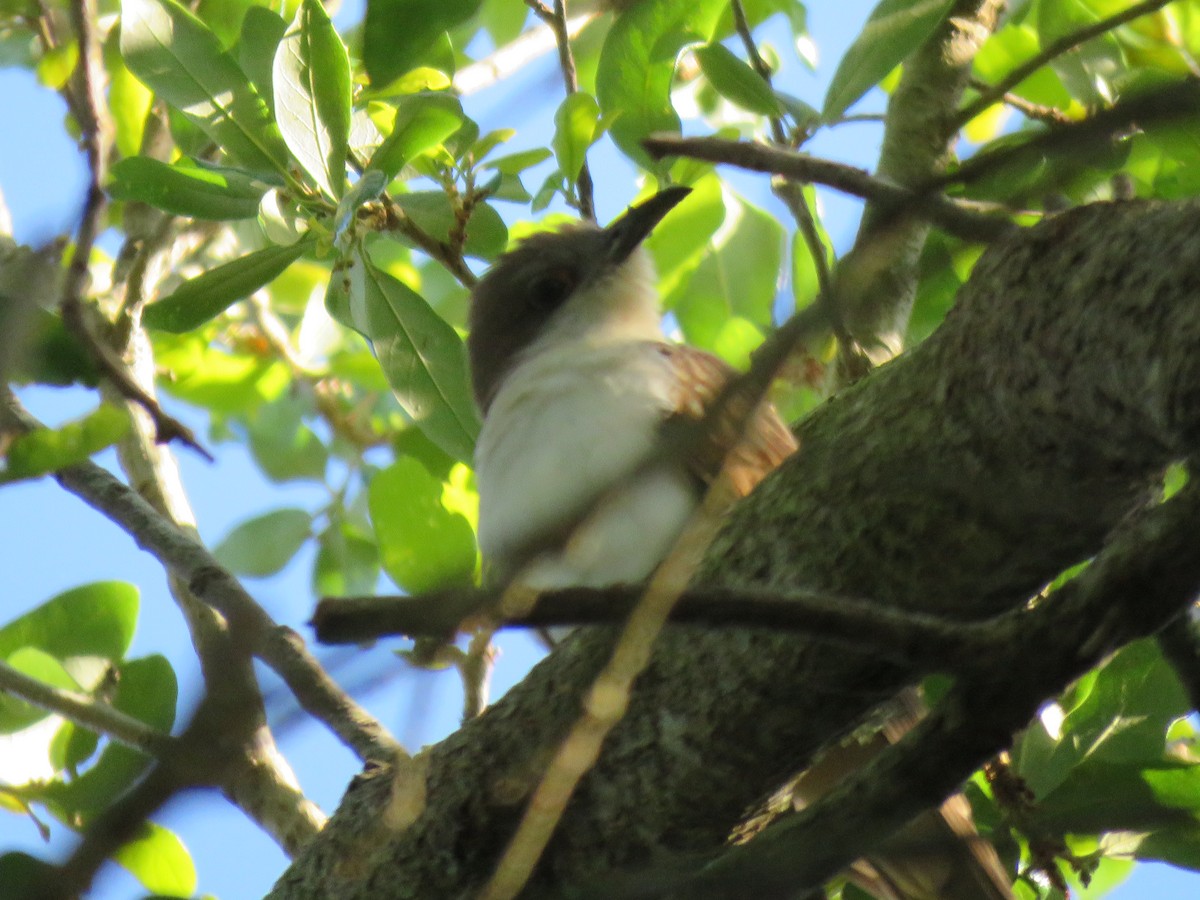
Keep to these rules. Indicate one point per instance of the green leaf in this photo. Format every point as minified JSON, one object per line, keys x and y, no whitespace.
{"x":423,"y":545}
{"x":347,"y":562}
{"x":397,"y":33}
{"x":160,"y":861}
{"x":207,"y":296}
{"x":180,"y":59}
{"x":679,"y":242}
{"x":145,"y":689}
{"x":262,"y":30}
{"x":1008,"y":48}
{"x":1098,"y":797}
{"x":128,"y":99}
{"x":637,"y":67}
{"x":218,"y":380}
{"x":422,"y":356}
{"x":737,"y":277}
{"x":283,"y":446}
{"x":187,"y":189}
{"x":263,"y":545}
{"x":515,"y":163}
{"x":46,"y":450}
{"x":96,"y":619}
{"x":311,"y":79}
{"x":736,"y":81}
{"x":576,"y":127}
{"x":422,"y":121}
{"x":894,"y":30}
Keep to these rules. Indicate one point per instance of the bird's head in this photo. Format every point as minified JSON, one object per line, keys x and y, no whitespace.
{"x":579,"y":283}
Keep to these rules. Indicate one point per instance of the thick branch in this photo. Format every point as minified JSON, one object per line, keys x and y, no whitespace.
{"x":876,"y":281}
{"x":955,"y":481}
{"x":1146,"y":577}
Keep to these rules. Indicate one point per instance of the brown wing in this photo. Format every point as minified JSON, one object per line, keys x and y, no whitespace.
{"x":753,"y":449}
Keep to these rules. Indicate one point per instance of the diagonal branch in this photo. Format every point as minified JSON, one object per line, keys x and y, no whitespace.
{"x":86,"y":711}
{"x":88,"y":105}
{"x":969,"y":221}
{"x":186,"y":558}
{"x":1145,"y":578}
{"x":1068,"y":42}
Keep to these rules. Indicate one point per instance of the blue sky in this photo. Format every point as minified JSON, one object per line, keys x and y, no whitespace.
{"x":50,"y":542}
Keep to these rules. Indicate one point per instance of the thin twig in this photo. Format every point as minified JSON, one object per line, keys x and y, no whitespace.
{"x":512,"y":57}
{"x":1036,"y":111}
{"x":398,"y":220}
{"x":86,"y":711}
{"x":793,"y":197}
{"x":1057,"y":48}
{"x":1174,"y":102}
{"x":90,"y":111}
{"x":975,"y":222}
{"x":605,"y":703}
{"x":557,"y":20}
{"x":923,"y":642}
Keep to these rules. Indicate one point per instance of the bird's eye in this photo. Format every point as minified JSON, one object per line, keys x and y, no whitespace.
{"x":548,"y":292}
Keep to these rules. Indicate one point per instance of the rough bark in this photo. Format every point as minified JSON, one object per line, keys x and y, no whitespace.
{"x":958,"y":479}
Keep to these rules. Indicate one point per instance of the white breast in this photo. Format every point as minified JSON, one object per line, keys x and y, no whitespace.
{"x":566,"y":423}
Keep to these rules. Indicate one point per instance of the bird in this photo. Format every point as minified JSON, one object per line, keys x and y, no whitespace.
{"x":577,"y":385}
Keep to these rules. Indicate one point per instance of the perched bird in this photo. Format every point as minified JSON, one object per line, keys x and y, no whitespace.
{"x":576,"y":383}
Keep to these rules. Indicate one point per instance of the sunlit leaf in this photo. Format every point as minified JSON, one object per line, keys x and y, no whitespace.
{"x":398,"y":32}
{"x":576,"y":127}
{"x":311,"y":79}
{"x":422,"y":356}
{"x":187,"y":189}
{"x":736,"y":81}
{"x":422,"y":121}
{"x":637,"y":66}
{"x":262,"y":30}
{"x":145,"y":689}
{"x":96,"y":619}
{"x":181,"y":60}
{"x":210,"y":294}
{"x":16,"y":714}
{"x":347,"y":561}
{"x":46,"y":450}
{"x":894,"y":30}
{"x":422,"y":544}
{"x":159,"y":860}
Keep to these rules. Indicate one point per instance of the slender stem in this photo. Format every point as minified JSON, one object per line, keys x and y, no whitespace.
{"x":86,"y":711}
{"x":1057,"y":48}
{"x":557,"y":20}
{"x":973,"y":222}
{"x":793,"y":197}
